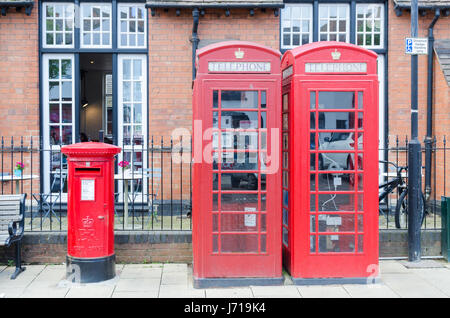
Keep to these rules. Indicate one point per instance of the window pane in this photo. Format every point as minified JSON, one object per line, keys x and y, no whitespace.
{"x":132,"y":22}
{"x":239,"y":99}
{"x":296,"y":20}
{"x":336,"y":100}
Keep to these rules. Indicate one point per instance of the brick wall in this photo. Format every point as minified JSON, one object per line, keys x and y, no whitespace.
{"x":170,"y":71}
{"x":130,"y":247}
{"x":19,"y":74}
{"x":400,"y":73}
{"x":176,"y":246}
{"x":170,"y":57}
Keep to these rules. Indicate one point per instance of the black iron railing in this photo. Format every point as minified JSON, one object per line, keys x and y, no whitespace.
{"x":155,"y":193}
{"x":152,"y":193}
{"x":396,"y":152}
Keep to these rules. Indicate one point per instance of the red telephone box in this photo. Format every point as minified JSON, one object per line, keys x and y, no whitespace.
{"x":90,"y":211}
{"x":236,"y":181}
{"x":330,"y":163}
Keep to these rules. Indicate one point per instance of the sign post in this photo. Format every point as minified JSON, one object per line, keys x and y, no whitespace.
{"x":414,"y":155}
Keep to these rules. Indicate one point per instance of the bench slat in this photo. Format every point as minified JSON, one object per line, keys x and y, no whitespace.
{"x":9,"y":212}
{"x":10,"y":197}
{"x":9,"y":202}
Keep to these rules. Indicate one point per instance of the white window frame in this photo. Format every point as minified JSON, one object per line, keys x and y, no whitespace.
{"x":120,"y":103}
{"x":54,"y":32}
{"x":127,"y":20}
{"x":347,"y":21}
{"x":46,"y":113}
{"x":381,"y":19}
{"x":285,"y":18}
{"x":101,"y":32}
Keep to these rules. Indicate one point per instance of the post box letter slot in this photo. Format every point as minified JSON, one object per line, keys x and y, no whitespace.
{"x":87,"y":170}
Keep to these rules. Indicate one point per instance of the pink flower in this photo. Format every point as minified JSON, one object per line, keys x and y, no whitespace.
{"x":124,"y":164}
{"x":20,"y":165}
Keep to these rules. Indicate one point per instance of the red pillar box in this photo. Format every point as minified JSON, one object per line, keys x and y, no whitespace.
{"x":90,"y":211}
{"x":236,"y":213}
{"x":330,"y":163}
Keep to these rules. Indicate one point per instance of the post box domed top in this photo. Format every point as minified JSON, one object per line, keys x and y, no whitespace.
{"x":330,"y":57}
{"x":83,"y":149}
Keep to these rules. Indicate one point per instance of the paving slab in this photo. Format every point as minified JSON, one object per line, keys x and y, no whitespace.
{"x":10,"y":292}
{"x":425,"y":263}
{"x":175,"y":278}
{"x":323,"y":291}
{"x":275,"y":291}
{"x":229,"y":293}
{"x":40,"y":292}
{"x":411,"y":285}
{"x":24,"y":278}
{"x":138,"y":285}
{"x":2,"y":268}
{"x":171,"y":291}
{"x":170,"y":268}
{"x":390,"y":267}
{"x":90,"y":291}
{"x":134,"y":294}
{"x":370,"y":291}
{"x":134,"y":272}
{"x":438,"y":277}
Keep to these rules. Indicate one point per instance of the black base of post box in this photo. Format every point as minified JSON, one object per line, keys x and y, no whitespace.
{"x":90,"y":270}
{"x":237,"y":282}
{"x":336,"y":281}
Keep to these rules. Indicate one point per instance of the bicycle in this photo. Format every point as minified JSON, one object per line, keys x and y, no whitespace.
{"x":401,"y":208}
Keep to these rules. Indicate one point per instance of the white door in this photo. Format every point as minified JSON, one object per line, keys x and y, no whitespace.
{"x":58,"y":114}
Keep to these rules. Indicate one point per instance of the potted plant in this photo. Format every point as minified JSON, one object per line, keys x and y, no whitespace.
{"x":124,"y":165}
{"x":19,"y":169}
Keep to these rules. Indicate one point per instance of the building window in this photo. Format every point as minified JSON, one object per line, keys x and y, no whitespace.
{"x":58,"y":96}
{"x":333,"y":22}
{"x":296,"y":24}
{"x":95,"y":25}
{"x":132,"y":24}
{"x":58,"y":25}
{"x":369,"y":25}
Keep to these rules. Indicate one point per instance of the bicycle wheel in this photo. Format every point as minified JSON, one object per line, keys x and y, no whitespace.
{"x":401,"y":211}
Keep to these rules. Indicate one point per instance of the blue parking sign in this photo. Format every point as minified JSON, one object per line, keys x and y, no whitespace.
{"x":409,"y":45}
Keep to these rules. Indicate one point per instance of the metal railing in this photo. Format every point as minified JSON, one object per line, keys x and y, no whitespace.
{"x":396,"y":151}
{"x":154,"y":193}
{"x":158,"y":186}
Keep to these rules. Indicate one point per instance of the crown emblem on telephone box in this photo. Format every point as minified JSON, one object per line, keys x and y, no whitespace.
{"x":336,"y":55}
{"x":239,"y":54}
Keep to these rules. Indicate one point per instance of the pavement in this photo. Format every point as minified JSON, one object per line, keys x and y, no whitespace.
{"x":175,"y":281}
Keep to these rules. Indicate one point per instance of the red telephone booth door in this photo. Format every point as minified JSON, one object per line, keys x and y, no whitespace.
{"x":238,"y":196}
{"x":343,"y":169}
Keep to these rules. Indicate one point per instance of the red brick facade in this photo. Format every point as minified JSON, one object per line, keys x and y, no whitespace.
{"x":19,"y":74}
{"x":399,"y":74}
{"x":170,"y":58}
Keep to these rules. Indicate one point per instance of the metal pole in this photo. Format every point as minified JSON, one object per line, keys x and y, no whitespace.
{"x":414,"y":155}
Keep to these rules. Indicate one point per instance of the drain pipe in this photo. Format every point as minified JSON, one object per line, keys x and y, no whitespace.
{"x":428,"y":138}
{"x":195,"y":39}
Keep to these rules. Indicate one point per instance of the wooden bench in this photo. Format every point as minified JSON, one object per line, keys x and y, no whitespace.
{"x":12,"y":211}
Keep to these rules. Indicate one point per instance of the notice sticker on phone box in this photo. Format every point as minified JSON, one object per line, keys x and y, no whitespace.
{"x":250,"y":220}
